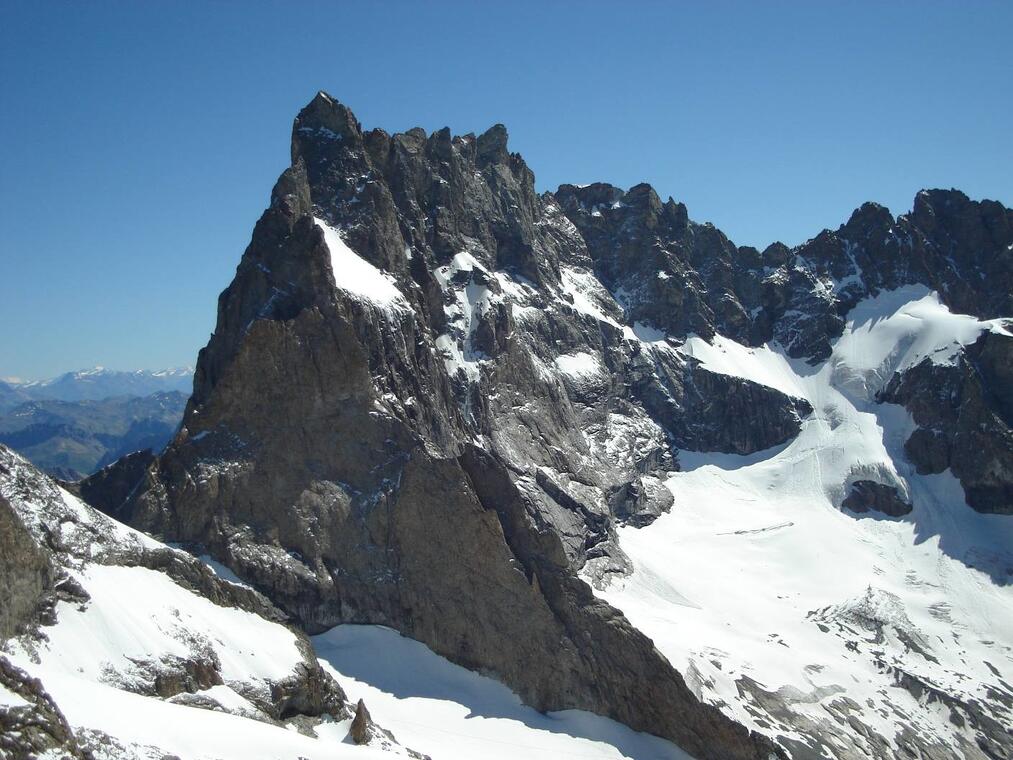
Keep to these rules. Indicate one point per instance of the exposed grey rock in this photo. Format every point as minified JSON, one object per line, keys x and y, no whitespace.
{"x":26,"y":573}
{"x":868,"y":495}
{"x":964,"y":411}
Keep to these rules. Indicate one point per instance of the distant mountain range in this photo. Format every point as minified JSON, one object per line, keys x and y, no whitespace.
{"x":96,"y":384}
{"x":78,"y":422}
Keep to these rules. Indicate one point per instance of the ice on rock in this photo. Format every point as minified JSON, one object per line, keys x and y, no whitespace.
{"x":580,"y":366}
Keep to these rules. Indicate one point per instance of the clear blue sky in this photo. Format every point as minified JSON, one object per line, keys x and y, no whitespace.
{"x":139,"y":141}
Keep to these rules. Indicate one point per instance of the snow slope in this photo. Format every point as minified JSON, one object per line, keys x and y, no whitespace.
{"x":428,"y":703}
{"x":451,"y":713}
{"x":127,"y":624}
{"x":151,"y":728}
{"x":757,"y":583}
{"x":94,"y":661}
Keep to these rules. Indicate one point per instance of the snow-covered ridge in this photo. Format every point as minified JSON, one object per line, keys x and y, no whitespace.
{"x":100,"y":383}
{"x":760,"y":365}
{"x":97,"y":372}
{"x":896,"y":330}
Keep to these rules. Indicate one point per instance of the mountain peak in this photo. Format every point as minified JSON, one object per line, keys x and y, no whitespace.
{"x":933,"y":204}
{"x":326,"y":115}
{"x":492,"y":145}
{"x":869,"y":216}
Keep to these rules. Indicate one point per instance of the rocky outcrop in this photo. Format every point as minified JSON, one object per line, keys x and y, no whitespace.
{"x":31,"y":724}
{"x":362,"y":724}
{"x":108,"y":488}
{"x":26,"y":573}
{"x":737,"y":416}
{"x":963,"y":412}
{"x":364,"y":731}
{"x":432,"y":395}
{"x":868,"y":495}
{"x":47,"y":538}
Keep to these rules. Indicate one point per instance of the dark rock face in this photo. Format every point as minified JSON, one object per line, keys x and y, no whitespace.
{"x":108,"y":488}
{"x":963,"y":412}
{"x":26,"y":573}
{"x":734,"y":415}
{"x":867,"y":495}
{"x":440,"y":428}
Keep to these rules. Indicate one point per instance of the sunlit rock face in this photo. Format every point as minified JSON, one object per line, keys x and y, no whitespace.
{"x":438,"y":401}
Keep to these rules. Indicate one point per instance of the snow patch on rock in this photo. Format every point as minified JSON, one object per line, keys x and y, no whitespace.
{"x":357,"y":277}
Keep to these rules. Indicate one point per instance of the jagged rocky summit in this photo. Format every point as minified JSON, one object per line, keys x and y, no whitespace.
{"x":433,"y":396}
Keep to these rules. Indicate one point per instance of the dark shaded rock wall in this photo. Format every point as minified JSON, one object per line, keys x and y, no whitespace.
{"x":963,"y":413}
{"x":867,"y":495}
{"x":26,"y":573}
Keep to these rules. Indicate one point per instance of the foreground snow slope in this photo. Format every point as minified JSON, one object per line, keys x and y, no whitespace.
{"x":426,"y":702}
{"x":451,"y":713}
{"x":142,"y":666}
{"x":758,"y":583}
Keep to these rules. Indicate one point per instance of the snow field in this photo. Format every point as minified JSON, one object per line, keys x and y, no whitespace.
{"x":727,"y":584}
